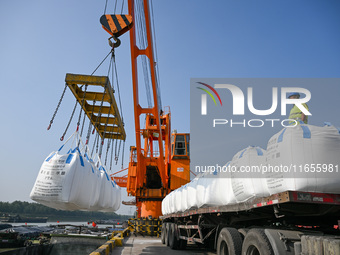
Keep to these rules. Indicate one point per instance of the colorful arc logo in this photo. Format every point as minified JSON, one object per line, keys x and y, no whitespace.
{"x":204,"y":97}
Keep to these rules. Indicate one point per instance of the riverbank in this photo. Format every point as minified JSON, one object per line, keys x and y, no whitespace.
{"x":31,"y":210}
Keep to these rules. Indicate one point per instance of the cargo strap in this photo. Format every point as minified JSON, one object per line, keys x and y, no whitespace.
{"x":280,"y":138}
{"x":306,"y":133}
{"x":259,"y":151}
{"x":328,"y":124}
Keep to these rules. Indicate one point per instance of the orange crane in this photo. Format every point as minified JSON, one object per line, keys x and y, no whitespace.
{"x":160,"y":161}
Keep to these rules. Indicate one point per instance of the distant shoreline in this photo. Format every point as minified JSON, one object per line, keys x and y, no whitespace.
{"x":35,"y":210}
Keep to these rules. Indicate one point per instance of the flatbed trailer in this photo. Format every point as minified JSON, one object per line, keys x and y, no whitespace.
{"x":290,"y":222}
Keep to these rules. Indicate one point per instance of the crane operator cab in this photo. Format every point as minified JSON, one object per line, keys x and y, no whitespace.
{"x":180,"y":160}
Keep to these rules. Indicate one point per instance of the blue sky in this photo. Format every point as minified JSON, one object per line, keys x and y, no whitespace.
{"x":41,"y":41}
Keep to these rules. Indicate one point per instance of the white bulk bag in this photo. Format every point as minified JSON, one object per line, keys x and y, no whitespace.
{"x":164,"y":211}
{"x":96,"y":184}
{"x":117,"y":192}
{"x":56,"y":185}
{"x":105,"y":191}
{"x":201,"y":186}
{"x":218,"y":188}
{"x":250,"y":184}
{"x":108,"y":192}
{"x":178,"y":199}
{"x":191,"y":192}
{"x":72,"y":182}
{"x":166,"y":205}
{"x":184,"y":198}
{"x":84,"y":185}
{"x":304,"y":145}
{"x":172,"y":206}
{"x":113,"y":200}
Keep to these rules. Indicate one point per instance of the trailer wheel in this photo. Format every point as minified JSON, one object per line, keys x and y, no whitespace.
{"x":229,"y":242}
{"x":256,"y":243}
{"x":166,"y":234}
{"x":173,"y":241}
{"x":163,"y":233}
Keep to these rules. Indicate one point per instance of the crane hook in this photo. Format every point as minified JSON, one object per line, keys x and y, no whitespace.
{"x":116,"y":42}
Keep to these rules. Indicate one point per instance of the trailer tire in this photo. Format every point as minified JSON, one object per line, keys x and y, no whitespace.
{"x":166,"y":234}
{"x":229,"y":242}
{"x":173,"y":241}
{"x":243,"y":232}
{"x":163,"y":233}
{"x":256,"y":242}
{"x":182,"y":244}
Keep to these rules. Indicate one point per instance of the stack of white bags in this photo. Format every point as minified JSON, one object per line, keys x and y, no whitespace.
{"x":299,"y":146}
{"x":75,"y":182}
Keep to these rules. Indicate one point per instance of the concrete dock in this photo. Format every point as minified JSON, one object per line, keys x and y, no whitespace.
{"x":134,"y":245}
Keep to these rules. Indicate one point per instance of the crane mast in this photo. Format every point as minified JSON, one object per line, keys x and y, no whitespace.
{"x":150,"y":166}
{"x":159,"y":163}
